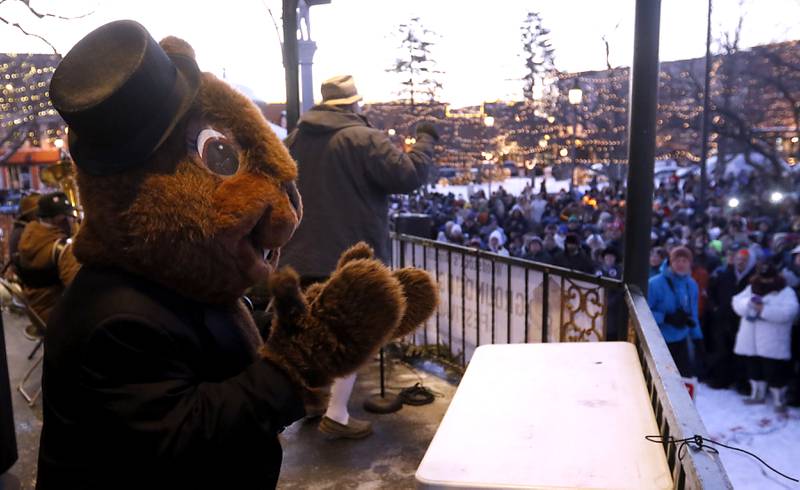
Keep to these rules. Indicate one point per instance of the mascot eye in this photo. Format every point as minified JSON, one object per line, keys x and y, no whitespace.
{"x":219,"y":155}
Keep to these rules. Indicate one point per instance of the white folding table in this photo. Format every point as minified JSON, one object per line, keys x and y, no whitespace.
{"x":547,"y":416}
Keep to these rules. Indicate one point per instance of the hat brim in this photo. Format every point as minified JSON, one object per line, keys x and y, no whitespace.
{"x":96,"y":158}
{"x":29,"y":212}
{"x":67,"y":210}
{"x":346,"y":101}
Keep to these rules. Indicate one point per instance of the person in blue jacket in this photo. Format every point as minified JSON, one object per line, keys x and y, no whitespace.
{"x":673,"y":298}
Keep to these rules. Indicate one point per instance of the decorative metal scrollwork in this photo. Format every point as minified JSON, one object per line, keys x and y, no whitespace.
{"x":583,"y":311}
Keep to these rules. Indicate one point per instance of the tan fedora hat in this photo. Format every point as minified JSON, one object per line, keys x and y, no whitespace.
{"x":339,"y":90}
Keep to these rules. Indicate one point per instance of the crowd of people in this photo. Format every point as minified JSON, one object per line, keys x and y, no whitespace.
{"x":581,"y":234}
{"x":723,"y":282}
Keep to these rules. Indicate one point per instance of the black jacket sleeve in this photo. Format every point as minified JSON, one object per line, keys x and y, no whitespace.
{"x":150,"y":396}
{"x":392,"y":170}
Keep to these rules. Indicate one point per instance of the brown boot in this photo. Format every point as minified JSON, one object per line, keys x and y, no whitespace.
{"x":355,"y":429}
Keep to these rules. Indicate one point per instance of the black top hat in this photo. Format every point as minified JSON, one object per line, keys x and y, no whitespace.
{"x":51,"y":205}
{"x":121,"y":96}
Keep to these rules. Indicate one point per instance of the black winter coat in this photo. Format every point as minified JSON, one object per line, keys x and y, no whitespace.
{"x":722,"y":287}
{"x":578,"y":262}
{"x":147,"y":389}
{"x":346,"y":171}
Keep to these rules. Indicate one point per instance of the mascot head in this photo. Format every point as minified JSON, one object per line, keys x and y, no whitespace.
{"x":181,"y":179}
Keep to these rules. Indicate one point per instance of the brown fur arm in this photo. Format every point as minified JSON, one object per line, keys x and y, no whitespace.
{"x":351,"y":316}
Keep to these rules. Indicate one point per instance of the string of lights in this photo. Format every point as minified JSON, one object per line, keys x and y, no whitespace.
{"x":542,"y":137}
{"x":25,"y":102}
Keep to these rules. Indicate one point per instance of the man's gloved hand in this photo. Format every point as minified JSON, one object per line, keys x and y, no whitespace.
{"x":429,"y":129}
{"x":679,"y":319}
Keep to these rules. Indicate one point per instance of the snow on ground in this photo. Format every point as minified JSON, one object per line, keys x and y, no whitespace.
{"x":758,"y":429}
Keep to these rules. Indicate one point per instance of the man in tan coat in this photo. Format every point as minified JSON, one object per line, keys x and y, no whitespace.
{"x":45,"y":263}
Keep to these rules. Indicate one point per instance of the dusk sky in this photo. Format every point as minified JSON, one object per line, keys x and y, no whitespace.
{"x":478,"y":49}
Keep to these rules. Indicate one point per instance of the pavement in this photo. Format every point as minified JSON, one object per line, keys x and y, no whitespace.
{"x":387,"y":459}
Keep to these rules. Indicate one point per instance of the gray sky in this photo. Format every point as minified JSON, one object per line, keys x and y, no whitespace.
{"x":479,"y":46}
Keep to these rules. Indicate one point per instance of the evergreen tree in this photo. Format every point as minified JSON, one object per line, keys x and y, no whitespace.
{"x":539,"y":54}
{"x":415,"y":65}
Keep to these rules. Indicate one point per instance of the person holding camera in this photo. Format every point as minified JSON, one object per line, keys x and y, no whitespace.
{"x":673,"y":298}
{"x":768,"y":308}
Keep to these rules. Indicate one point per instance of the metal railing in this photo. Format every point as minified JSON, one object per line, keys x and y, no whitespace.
{"x":487,"y":298}
{"x":675,"y":412}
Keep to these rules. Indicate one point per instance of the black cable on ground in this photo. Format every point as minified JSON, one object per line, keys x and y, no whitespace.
{"x":416,"y":395}
{"x":698,"y":442}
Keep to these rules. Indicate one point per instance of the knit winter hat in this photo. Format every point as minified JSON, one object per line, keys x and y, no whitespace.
{"x":572,"y":238}
{"x":680,"y":251}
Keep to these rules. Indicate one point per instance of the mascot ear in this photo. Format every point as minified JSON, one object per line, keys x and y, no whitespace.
{"x":176,"y":46}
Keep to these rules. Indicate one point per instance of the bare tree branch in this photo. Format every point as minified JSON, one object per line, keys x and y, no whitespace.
{"x":31,"y":34}
{"x":608,"y":52}
{"x":42,"y":15}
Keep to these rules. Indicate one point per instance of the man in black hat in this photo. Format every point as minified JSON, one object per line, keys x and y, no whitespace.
{"x":45,"y":263}
{"x":347,"y":170}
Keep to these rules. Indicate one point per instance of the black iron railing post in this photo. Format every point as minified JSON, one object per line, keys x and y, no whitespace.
{"x":526,"y":304}
{"x":425,"y":268}
{"x":438,"y":306}
{"x":641,"y":142}
{"x":413,"y":264}
{"x":509,"y":299}
{"x":449,"y":303}
{"x":545,"y":304}
{"x":477,"y":298}
{"x":493,"y":300}
{"x":463,"y":310}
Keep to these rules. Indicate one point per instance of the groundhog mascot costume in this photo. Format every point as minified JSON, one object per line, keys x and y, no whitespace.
{"x":154,"y":373}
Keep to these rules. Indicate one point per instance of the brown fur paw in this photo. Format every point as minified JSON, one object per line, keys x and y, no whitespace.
{"x":290,"y":305}
{"x":421,"y":295}
{"x":176,"y":45}
{"x":356,"y":313}
{"x":358,"y":251}
{"x":313,"y":291}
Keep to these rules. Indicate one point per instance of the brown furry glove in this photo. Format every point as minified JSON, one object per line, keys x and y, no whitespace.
{"x":338,"y":325}
{"x":421,"y":295}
